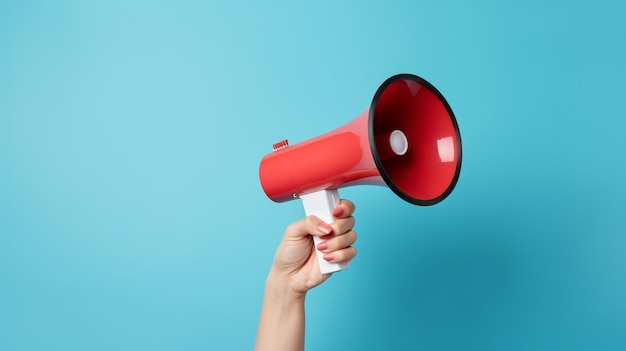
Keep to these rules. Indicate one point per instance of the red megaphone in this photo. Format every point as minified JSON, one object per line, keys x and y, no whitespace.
{"x":408,"y":139}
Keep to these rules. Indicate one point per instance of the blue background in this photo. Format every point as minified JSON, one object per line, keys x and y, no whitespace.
{"x":132,"y":218}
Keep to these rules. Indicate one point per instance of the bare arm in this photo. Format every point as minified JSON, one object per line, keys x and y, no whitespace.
{"x":281,"y":326}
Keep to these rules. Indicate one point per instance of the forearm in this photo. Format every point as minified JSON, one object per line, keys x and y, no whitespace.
{"x":281,"y":325}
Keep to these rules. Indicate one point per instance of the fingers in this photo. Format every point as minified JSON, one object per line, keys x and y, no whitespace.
{"x":342,"y":255}
{"x":338,"y":242}
{"x":337,"y":247}
{"x":344,"y":221}
{"x":337,"y":237}
{"x":314,"y":226}
{"x":345,"y":209}
{"x":309,"y":225}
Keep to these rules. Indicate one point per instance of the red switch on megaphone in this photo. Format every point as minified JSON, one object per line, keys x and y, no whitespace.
{"x":408,"y":140}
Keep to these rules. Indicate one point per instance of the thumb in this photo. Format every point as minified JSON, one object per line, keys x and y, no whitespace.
{"x":310,"y":225}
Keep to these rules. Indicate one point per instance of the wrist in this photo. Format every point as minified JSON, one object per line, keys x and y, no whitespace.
{"x":277,"y":285}
{"x":281,"y":326}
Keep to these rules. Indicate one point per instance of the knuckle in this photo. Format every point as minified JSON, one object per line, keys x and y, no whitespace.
{"x":291,"y":227}
{"x":310,"y":221}
{"x":351,"y":206}
{"x":352,"y":221}
{"x":353,"y":237}
{"x":346,"y":254}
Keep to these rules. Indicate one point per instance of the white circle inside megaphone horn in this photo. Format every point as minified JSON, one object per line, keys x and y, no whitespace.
{"x":398,"y":142}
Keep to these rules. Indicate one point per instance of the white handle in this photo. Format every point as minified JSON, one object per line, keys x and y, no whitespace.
{"x":321,"y":204}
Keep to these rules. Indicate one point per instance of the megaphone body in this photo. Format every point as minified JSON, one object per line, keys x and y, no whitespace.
{"x":408,"y":140}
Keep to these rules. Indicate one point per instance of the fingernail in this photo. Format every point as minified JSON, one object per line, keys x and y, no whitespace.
{"x":322,"y":246}
{"x":338,"y":211}
{"x":324,"y":228}
{"x":329,"y":257}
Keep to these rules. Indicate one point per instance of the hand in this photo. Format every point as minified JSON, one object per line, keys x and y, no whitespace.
{"x":295,"y":271}
{"x":295,"y":262}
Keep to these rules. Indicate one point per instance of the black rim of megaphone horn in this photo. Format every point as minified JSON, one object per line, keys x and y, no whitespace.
{"x":378,"y":161}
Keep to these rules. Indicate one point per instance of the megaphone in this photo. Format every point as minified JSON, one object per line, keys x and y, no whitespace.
{"x":408,"y":140}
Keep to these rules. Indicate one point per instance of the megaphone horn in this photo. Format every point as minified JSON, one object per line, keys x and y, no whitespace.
{"x":408,"y":140}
